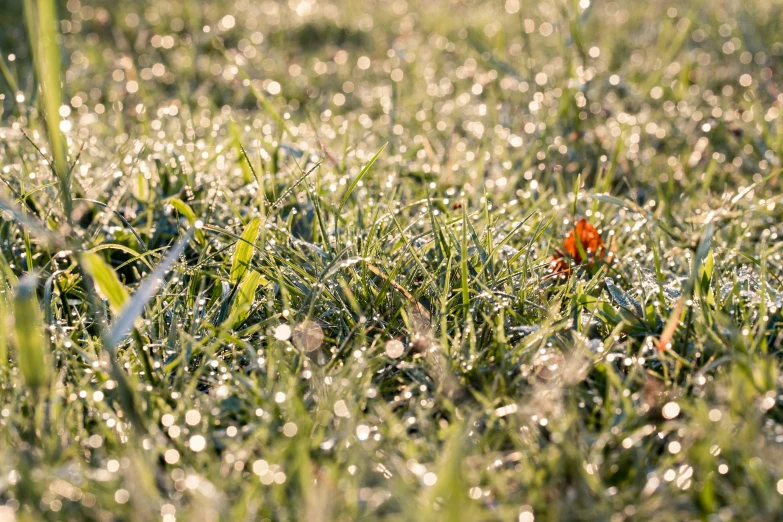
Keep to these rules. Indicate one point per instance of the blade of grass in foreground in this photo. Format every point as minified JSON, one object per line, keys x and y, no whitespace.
{"x":108,"y":283}
{"x":244,"y":298}
{"x":122,"y":326}
{"x":244,"y":251}
{"x":28,"y":332}
{"x":41,"y":18}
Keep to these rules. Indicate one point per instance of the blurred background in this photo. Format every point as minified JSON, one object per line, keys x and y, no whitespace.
{"x":495,"y":92}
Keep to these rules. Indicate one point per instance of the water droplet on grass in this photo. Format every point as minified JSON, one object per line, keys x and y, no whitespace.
{"x":394,"y":349}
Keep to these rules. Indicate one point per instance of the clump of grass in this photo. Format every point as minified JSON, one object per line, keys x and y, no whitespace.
{"x":257,"y":279}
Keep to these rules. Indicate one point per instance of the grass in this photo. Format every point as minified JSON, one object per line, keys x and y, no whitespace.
{"x":280,"y":261}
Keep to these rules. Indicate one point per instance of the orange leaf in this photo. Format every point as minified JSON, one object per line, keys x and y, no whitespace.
{"x":667,"y":335}
{"x":592,"y":245}
{"x":591,"y":241}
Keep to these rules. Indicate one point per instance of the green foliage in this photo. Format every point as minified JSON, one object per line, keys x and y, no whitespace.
{"x":31,"y":347}
{"x":358,"y":178}
{"x":307,"y":271}
{"x":106,"y":280}
{"x":243,"y":253}
{"x":42,"y":21}
{"x":244,"y":299}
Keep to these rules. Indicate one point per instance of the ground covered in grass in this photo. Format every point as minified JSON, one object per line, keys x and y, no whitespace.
{"x":316,"y":261}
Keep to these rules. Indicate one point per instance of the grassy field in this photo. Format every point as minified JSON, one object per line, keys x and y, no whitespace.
{"x":317,"y":261}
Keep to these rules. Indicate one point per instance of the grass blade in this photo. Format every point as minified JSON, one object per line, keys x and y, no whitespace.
{"x":122,"y":326}
{"x":106,"y":280}
{"x":358,"y":178}
{"x":244,"y":251}
{"x":41,"y":17}
{"x":184,"y":209}
{"x":244,"y":298}
{"x":30,"y":344}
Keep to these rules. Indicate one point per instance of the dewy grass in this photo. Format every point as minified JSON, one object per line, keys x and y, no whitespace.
{"x":261,"y":311}
{"x":42,"y":30}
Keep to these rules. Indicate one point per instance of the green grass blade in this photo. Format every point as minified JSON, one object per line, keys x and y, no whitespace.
{"x":7,"y":76}
{"x":244,"y":251}
{"x":122,"y":326}
{"x":244,"y":298}
{"x":106,"y":280}
{"x":42,"y":24}
{"x":184,"y":209}
{"x":358,"y":178}
{"x":31,"y":349}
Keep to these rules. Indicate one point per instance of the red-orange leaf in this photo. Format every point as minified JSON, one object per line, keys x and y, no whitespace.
{"x":591,"y":244}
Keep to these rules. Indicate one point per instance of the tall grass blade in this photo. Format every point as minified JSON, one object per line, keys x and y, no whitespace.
{"x":244,"y":251}
{"x":244,"y":298}
{"x":31,"y":349}
{"x":358,"y":178}
{"x":106,"y":280}
{"x":122,"y":326}
{"x":41,"y":18}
